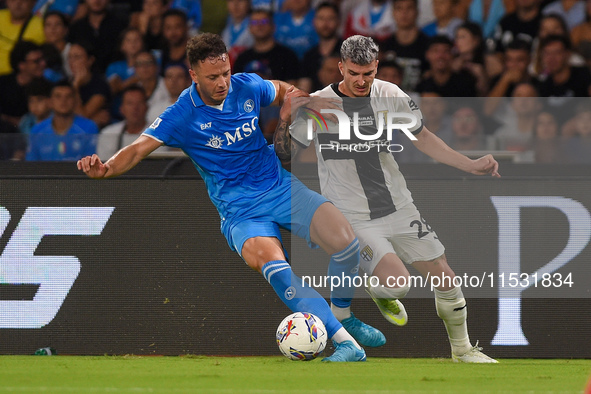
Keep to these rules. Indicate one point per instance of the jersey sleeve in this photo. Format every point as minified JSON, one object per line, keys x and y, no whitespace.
{"x":409,"y":106}
{"x":166,"y":128}
{"x":405,"y":104}
{"x":266,"y":88}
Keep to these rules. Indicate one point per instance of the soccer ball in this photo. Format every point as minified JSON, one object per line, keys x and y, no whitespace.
{"x":301,"y":336}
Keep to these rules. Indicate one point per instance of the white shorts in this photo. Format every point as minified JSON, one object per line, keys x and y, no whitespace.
{"x":404,"y":233}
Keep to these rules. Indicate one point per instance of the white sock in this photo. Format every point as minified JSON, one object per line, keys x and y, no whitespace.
{"x":451,"y":308}
{"x":340,"y":313}
{"x":342,"y":335}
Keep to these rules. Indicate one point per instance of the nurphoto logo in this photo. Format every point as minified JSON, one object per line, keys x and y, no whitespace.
{"x":405,"y":121}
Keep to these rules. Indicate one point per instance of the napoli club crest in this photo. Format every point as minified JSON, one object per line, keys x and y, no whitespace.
{"x":249,"y":105}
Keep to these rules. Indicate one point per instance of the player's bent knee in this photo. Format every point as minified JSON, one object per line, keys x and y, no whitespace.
{"x":330,"y":229}
{"x":390,"y":292}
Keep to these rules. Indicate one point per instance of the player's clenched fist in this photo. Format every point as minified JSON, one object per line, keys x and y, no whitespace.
{"x":486,"y":165}
{"x":93,"y":166}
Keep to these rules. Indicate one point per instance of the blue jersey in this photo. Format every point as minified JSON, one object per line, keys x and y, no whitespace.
{"x":67,"y":7}
{"x":299,"y":36}
{"x":77,"y":142}
{"x":120,"y":69}
{"x":225,"y":144}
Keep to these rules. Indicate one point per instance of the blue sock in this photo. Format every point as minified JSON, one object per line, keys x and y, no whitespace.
{"x":345,"y":266}
{"x":297,"y":297}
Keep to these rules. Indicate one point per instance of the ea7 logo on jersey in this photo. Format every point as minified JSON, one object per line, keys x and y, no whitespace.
{"x":205,"y":125}
{"x":55,"y":275}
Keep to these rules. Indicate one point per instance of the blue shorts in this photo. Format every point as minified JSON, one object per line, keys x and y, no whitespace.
{"x":290,"y":205}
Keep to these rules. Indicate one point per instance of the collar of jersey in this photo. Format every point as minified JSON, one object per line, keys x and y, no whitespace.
{"x":335,"y":88}
{"x":196,"y":99}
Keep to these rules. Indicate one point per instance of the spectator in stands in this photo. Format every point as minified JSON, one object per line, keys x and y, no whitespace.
{"x":487,"y":14}
{"x":441,"y":78}
{"x":372,"y":18}
{"x":578,"y":146}
{"x":551,"y":24}
{"x":64,"y":135}
{"x":146,"y":70}
{"x":546,"y":126}
{"x":149,"y":22}
{"x":121,"y":74}
{"x":426,"y":14}
{"x":192,"y":10}
{"x":435,"y":115}
{"x":17,"y":23}
{"x":523,"y":24}
{"x":517,"y":59}
{"x":408,"y":44}
{"x":91,"y":88}
{"x":13,"y":145}
{"x":55,"y":27}
{"x":469,"y":47}
{"x":445,"y":22}
{"x":236,"y":34}
{"x":329,"y":72}
{"x":583,"y":120}
{"x":133,"y":109}
{"x":562,"y":80}
{"x":547,"y":145}
{"x":27,"y":60}
{"x":516,"y":134}
{"x":176,"y":79}
{"x":572,"y":11}
{"x":176,"y":35}
{"x":38,"y":92}
{"x":389,"y":70}
{"x":467,"y":130}
{"x":281,"y":61}
{"x":67,"y":8}
{"x":269,"y":5}
{"x":295,"y":28}
{"x":101,"y":29}
{"x":326,"y":24}
{"x":581,"y":36}
{"x":516,"y":70}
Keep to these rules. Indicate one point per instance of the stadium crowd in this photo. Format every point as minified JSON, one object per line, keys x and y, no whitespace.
{"x":79,"y":77}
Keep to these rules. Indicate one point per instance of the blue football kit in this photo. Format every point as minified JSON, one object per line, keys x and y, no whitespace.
{"x":253,"y":194}
{"x":297,"y":35}
{"x":244,"y":177}
{"x":47,"y":145}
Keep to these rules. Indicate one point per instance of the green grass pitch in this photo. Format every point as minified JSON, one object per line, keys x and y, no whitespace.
{"x":201,"y":374}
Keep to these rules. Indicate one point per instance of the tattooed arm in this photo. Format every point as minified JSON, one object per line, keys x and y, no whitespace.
{"x":282,"y":141}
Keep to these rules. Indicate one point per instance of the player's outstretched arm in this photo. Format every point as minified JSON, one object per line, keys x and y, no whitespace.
{"x":433,"y":146}
{"x":121,"y":162}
